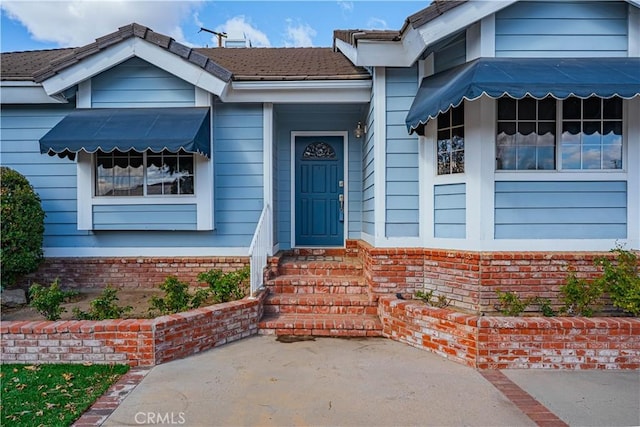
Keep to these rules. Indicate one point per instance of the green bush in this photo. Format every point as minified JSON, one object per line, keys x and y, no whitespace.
{"x":581,"y":297}
{"x":103,"y":307}
{"x":226,"y":287}
{"x":47,"y":300}
{"x":512,"y":305}
{"x":177,"y":297}
{"x":440,"y":301}
{"x":22,"y":227}
{"x":622,"y":280}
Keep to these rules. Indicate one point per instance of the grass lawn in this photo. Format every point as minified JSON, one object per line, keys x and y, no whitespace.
{"x":52,"y":395}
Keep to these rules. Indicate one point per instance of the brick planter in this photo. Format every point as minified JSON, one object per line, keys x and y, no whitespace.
{"x":137,"y":342}
{"x":486,"y":342}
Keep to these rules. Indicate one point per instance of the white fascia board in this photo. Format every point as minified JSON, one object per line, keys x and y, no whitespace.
{"x":119,"y":252}
{"x":311,"y":91}
{"x":26,"y":93}
{"x":114,"y":55}
{"x":459,"y":18}
{"x":347,"y":50}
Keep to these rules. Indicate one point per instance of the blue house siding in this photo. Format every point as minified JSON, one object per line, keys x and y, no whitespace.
{"x":561,"y":210}
{"x":453,"y":52}
{"x":136,"y":83}
{"x":145,"y":217}
{"x":368,"y":174}
{"x":402,"y":210}
{"x":238,"y":156}
{"x":54,"y":179}
{"x":449,"y":211}
{"x":317,"y":118}
{"x":567,"y":29}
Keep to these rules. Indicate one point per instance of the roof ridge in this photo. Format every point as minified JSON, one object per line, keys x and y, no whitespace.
{"x":126,"y":32}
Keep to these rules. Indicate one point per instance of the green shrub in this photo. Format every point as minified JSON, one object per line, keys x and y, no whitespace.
{"x":440,"y":301}
{"x":511,"y":304}
{"x":621,"y":279}
{"x":47,"y":300}
{"x":226,"y":287}
{"x":177,"y":297}
{"x":581,"y":297}
{"x":103,"y":307}
{"x":22,"y":227}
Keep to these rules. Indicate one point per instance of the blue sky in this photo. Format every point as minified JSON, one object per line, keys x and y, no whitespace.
{"x":30,"y":25}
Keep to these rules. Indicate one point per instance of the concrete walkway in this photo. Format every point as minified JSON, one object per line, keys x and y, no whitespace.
{"x":259,"y":381}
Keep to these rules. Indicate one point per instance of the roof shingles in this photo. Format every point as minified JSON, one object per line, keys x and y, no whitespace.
{"x":256,"y":64}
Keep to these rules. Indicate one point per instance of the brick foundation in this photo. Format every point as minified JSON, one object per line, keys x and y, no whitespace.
{"x":137,"y":342}
{"x":508,"y":342}
{"x":130,"y":272}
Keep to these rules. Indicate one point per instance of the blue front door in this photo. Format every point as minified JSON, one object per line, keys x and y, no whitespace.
{"x":319,"y":180}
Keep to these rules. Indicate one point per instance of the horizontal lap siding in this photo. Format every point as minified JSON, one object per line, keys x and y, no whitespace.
{"x":368,"y":174}
{"x":145,"y":217}
{"x":450,"y":211}
{"x":53,"y":178}
{"x":136,"y":83}
{"x":566,"y":29}
{"x":238,"y":153}
{"x":561,"y":210}
{"x":402,"y":210}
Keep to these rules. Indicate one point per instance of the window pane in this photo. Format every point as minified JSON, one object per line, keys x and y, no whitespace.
{"x":592,"y":108}
{"x":444,"y":120}
{"x":572,"y":108}
{"x":571,"y":157}
{"x":506,"y":157}
{"x":546,"y":133}
{"x":546,"y":158}
{"x":457,"y":162}
{"x":547,"y":109}
{"x":612,"y":108}
{"x":506,"y":109}
{"x":444,"y":163}
{"x":526,"y":158}
{"x":570,"y":129}
{"x":612,"y":156}
{"x":591,"y":157}
{"x":527,"y":109}
{"x":457,"y":115}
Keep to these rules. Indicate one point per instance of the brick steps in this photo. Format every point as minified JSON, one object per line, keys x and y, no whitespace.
{"x":321,"y":325}
{"x":293,"y":284}
{"x":319,"y":292}
{"x":320,"y":304}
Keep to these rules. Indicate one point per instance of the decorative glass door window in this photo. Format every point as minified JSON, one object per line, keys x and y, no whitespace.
{"x":450,"y":145}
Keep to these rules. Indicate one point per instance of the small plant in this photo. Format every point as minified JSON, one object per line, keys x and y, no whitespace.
{"x":226,"y":287}
{"x":440,"y":301}
{"x":511,"y":304}
{"x":177,"y":297}
{"x":47,"y":300}
{"x":103,"y":307}
{"x":22,"y":227}
{"x":544,"y":306}
{"x":581,"y":297}
{"x":622,"y":280}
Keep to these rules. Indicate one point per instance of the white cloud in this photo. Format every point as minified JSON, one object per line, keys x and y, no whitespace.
{"x":299,"y":34}
{"x":377,"y":24}
{"x":346,"y":6}
{"x":240,"y":27}
{"x":78,"y":22}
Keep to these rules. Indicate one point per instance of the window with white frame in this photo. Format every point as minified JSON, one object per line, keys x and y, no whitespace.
{"x":144,"y":174}
{"x":548,"y":134}
{"x":450,"y":145}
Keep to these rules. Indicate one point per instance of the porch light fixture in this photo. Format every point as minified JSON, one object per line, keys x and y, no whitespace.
{"x":359,"y":130}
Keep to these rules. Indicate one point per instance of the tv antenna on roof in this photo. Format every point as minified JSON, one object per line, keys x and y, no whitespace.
{"x":219,"y":35}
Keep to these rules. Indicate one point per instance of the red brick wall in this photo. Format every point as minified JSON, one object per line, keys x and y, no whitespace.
{"x":508,"y":342}
{"x":132,"y":272}
{"x":470,"y":279}
{"x":558,"y":343}
{"x":138,"y":342}
{"x":444,"y":332}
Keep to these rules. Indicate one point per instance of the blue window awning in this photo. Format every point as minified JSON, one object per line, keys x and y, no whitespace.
{"x":126,"y":129}
{"x":520,"y":77}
